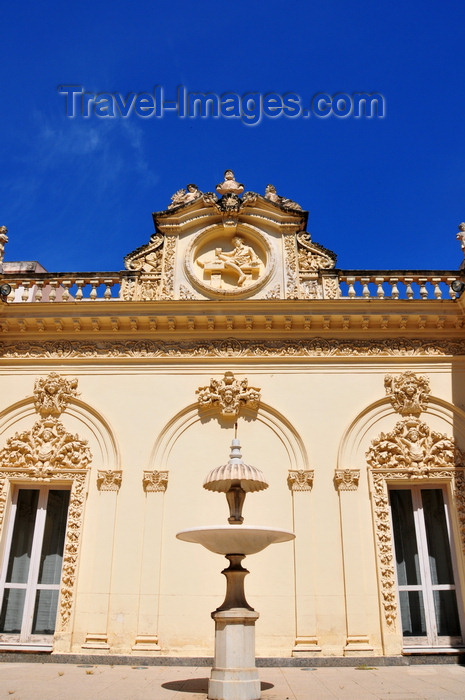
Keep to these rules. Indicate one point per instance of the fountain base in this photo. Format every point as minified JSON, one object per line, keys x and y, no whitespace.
{"x":234,"y":675}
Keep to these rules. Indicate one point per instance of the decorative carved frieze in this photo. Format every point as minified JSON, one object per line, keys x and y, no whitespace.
{"x":346,"y":479}
{"x":109,"y":480}
{"x":408,"y":392}
{"x":229,"y":395}
{"x":300,"y":479}
{"x":231,"y":347}
{"x":155,"y":481}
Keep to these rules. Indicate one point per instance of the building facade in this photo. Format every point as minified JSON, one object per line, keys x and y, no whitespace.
{"x":120,"y":392}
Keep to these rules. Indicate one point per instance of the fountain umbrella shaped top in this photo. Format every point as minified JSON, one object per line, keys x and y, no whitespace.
{"x":235,"y":479}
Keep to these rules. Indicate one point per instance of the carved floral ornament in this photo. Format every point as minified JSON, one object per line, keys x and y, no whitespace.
{"x":411,"y":451}
{"x":229,"y":395}
{"x":48,"y":453}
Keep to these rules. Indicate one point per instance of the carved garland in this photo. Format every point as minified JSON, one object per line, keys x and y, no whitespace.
{"x":48,"y":454}
{"x":290,"y":251}
{"x":167,"y":290}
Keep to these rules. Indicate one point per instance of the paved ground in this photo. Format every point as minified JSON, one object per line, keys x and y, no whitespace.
{"x":47,"y":681}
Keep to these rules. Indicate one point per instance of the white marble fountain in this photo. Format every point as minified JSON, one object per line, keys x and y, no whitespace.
{"x":234,"y":675}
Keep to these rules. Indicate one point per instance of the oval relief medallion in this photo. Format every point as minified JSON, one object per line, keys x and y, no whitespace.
{"x":229,"y":265}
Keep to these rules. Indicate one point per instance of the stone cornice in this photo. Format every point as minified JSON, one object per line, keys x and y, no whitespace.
{"x":336,"y":318}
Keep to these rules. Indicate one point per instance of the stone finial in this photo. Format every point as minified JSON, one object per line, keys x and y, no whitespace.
{"x":229,"y":395}
{"x":272,"y":196}
{"x":408,"y":393}
{"x":53,"y":393}
{"x":184,"y":196}
{"x":3,"y":240}
{"x":229,"y":185}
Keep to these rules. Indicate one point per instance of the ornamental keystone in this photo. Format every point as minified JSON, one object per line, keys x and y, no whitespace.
{"x":229,"y":395}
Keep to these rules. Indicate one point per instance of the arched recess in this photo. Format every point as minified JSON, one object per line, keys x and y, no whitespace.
{"x":283,"y":429}
{"x":377,"y":475}
{"x":190,"y":445}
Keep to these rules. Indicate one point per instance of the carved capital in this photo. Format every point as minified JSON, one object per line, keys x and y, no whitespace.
{"x":346,"y":479}
{"x":155,"y":481}
{"x":229,"y":395}
{"x":408,"y":392}
{"x":301,"y":479}
{"x":109,"y":480}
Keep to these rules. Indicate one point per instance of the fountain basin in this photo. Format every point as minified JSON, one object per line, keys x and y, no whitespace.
{"x":235,"y":539}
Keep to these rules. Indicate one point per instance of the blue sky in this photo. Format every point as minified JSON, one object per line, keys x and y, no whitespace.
{"x":77,"y":194}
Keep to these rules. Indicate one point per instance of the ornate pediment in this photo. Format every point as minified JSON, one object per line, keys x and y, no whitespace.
{"x":229,"y":243}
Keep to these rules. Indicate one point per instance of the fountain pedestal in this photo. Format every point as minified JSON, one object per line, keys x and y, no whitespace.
{"x":234,"y":675}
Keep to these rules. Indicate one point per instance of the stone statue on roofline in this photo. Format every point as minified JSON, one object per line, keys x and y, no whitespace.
{"x":229,"y":185}
{"x":3,"y":240}
{"x":184,"y":196}
{"x":273,"y":196}
{"x":461,"y":236}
